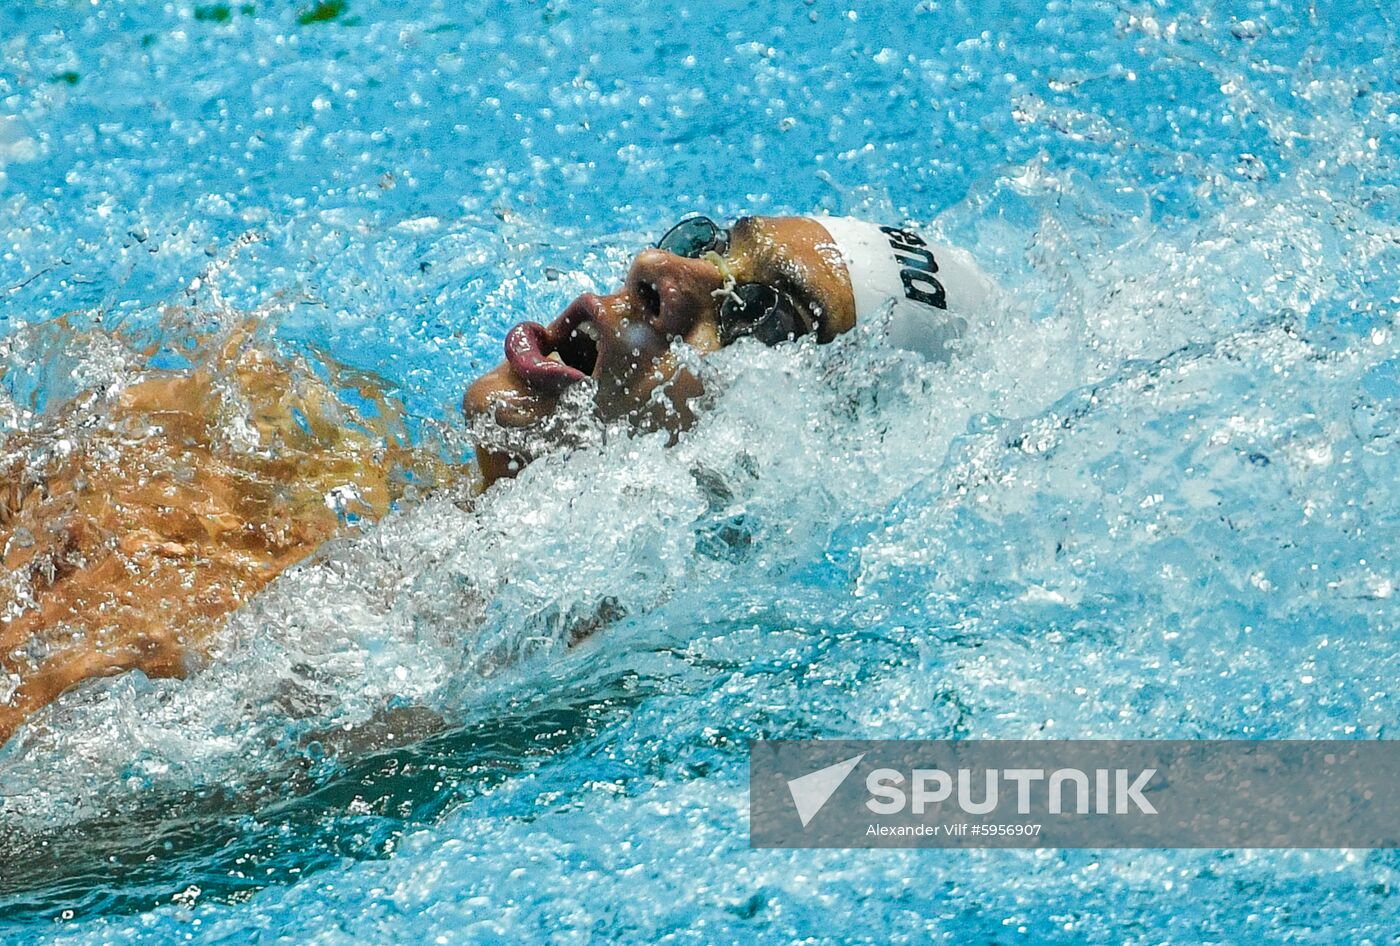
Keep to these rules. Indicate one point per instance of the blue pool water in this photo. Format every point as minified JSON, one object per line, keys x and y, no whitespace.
{"x":1156,"y":497}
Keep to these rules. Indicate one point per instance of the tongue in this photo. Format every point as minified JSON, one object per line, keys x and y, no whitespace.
{"x":525,"y":350}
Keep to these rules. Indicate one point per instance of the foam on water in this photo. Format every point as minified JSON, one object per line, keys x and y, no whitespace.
{"x":1154,"y":497}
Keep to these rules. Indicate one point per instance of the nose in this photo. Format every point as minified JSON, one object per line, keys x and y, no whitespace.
{"x":670,"y":293}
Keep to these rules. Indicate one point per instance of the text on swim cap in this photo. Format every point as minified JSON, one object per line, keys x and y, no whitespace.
{"x":917,"y":267}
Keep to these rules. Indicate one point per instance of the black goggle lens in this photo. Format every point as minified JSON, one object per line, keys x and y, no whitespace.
{"x":694,"y":237}
{"x":760,"y":311}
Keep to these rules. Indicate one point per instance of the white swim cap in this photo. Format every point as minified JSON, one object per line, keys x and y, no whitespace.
{"x":929,"y":289}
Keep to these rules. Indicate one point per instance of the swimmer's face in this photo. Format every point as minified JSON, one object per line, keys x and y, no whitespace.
{"x":624,"y":341}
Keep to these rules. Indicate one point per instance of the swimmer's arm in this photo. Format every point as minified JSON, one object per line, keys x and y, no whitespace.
{"x":156,"y":655}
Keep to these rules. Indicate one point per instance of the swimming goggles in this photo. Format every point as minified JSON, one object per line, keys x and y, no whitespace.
{"x":752,"y":308}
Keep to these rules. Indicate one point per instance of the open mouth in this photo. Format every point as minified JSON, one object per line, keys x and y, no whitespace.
{"x":563,"y":353}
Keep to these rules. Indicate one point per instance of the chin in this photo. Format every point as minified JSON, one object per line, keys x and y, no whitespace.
{"x":515,"y":422}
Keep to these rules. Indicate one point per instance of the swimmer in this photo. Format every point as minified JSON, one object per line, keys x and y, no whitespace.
{"x":130,"y":551}
{"x":773,"y":279}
